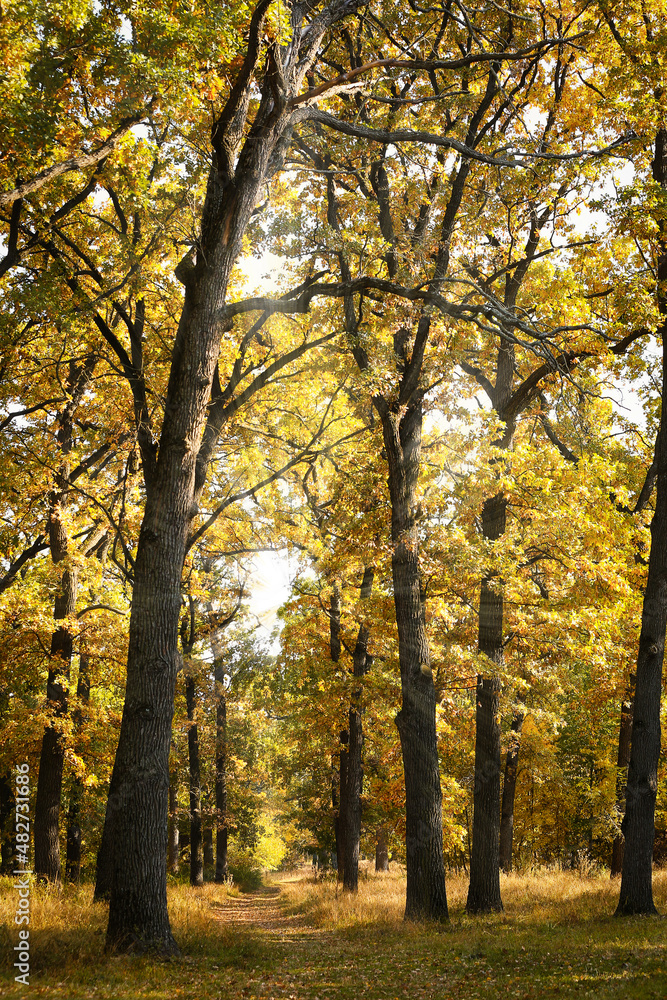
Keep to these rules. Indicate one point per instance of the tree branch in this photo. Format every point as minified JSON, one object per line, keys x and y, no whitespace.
{"x":387,"y":137}
{"x":76,"y":162}
{"x":39,"y":545}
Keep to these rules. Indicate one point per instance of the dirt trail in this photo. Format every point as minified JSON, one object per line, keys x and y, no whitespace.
{"x":264,"y":910}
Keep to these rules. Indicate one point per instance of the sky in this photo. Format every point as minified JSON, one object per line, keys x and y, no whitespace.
{"x":273,"y":572}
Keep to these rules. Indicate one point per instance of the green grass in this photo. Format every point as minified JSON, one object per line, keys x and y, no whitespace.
{"x":556,"y":939}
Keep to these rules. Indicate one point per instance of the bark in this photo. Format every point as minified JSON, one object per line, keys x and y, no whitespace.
{"x":352,"y":816}
{"x":138,"y":917}
{"x":196,"y":858}
{"x":337,"y":793}
{"x":623,"y":760}
{"x":7,"y":824}
{"x":381,"y":851}
{"x":484,"y":891}
{"x":221,"y":870}
{"x":207,"y":840}
{"x":509,"y":791}
{"x":426,"y":896}
{"x":52,"y":756}
{"x":73,"y":865}
{"x":361,"y":662}
{"x":174,"y":856}
{"x":335,"y":805}
{"x":355,"y":768}
{"x":341,"y":822}
{"x":638,"y":827}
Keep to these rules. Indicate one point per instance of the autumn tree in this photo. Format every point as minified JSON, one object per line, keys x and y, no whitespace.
{"x":359,"y":186}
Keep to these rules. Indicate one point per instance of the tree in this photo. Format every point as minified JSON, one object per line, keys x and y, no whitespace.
{"x":49,"y":784}
{"x":636,"y":895}
{"x":402,"y":251}
{"x":636,"y":31}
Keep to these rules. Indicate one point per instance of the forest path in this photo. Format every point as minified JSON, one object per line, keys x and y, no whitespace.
{"x":264,"y":909}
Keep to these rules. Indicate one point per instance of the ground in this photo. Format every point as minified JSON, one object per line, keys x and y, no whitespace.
{"x":299,"y":938}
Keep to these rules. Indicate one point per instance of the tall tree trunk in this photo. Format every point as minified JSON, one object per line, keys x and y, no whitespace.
{"x":52,"y":756}
{"x":355,"y":768}
{"x":337,"y":792}
{"x":381,"y":851}
{"x":207,"y":842}
{"x":484,"y":891}
{"x":7,"y":824}
{"x":623,"y":760}
{"x":352,"y":816}
{"x":173,"y":838}
{"x":73,"y":865}
{"x":426,"y":894}
{"x":360,"y":666}
{"x":221,"y":870}
{"x":638,"y":827}
{"x":139,"y":796}
{"x":509,"y":792}
{"x":335,"y":805}
{"x":196,"y":859}
{"x":341,"y":824}
{"x":49,"y":781}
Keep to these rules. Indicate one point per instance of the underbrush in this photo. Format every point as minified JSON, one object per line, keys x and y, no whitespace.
{"x":246,"y":874}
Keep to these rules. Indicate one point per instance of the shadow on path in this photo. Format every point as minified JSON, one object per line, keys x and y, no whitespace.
{"x":264,"y":910}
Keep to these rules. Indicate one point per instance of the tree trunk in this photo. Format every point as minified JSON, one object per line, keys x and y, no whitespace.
{"x":361,"y":662}
{"x":139,"y":798}
{"x":341,"y":824}
{"x":173,"y":838}
{"x":381,"y":851}
{"x":509,"y":791}
{"x":7,"y":824}
{"x":221,"y":871}
{"x":50,"y":779}
{"x":638,"y":827}
{"x":196,"y":859}
{"x":426,"y":896}
{"x":484,"y":891}
{"x":355,"y":768}
{"x":138,"y":804}
{"x":138,"y":915}
{"x":337,"y":794}
{"x":623,"y":760}
{"x":207,"y":841}
{"x":73,"y":865}
{"x":335,"y":805}
{"x":49,"y":782}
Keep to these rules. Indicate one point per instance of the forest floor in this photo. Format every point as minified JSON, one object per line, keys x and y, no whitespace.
{"x":299,"y":938}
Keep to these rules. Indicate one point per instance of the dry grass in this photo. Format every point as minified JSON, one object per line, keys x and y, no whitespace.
{"x":305,"y":940}
{"x":546,"y":896}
